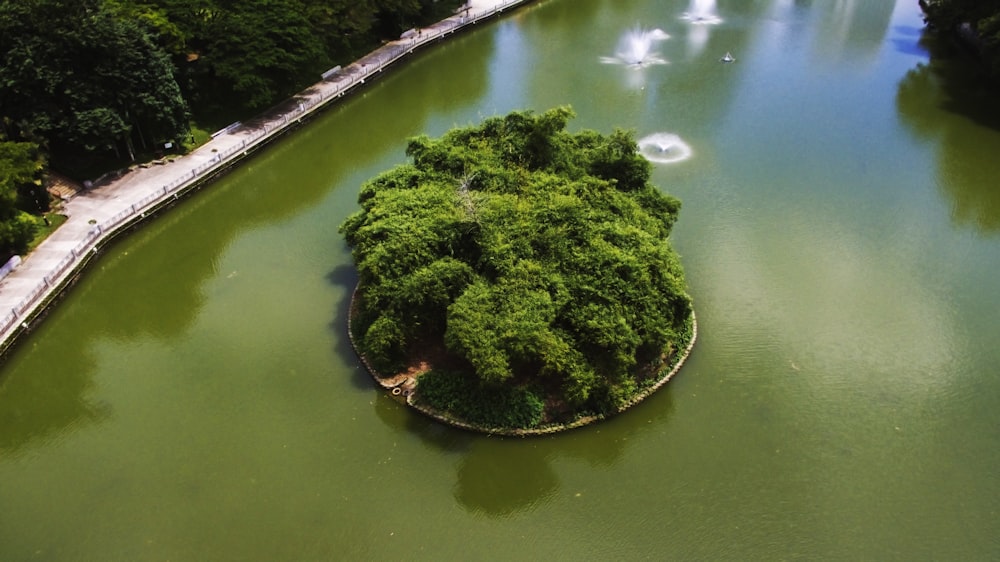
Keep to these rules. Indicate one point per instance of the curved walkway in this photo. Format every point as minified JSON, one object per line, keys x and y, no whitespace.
{"x":112,"y":206}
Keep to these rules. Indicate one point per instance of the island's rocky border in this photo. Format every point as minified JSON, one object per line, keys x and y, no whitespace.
{"x":405,"y":389}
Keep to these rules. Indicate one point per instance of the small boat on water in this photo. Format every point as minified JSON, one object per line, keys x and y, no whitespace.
{"x":728,"y":58}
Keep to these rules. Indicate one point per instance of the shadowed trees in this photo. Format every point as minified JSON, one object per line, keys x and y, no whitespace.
{"x":82,"y":82}
{"x":95,"y":82}
{"x":982,"y":18}
{"x":235,"y":57}
{"x":21,"y":193}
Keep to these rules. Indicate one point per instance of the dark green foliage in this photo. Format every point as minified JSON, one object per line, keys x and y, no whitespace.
{"x":950,"y":13}
{"x":21,"y":193}
{"x":982,"y":15}
{"x":535,"y":256}
{"x":483,"y":404}
{"x":96,"y":82}
{"x":250,"y":54}
{"x":16,"y":233}
{"x":21,"y":169}
{"x":239,"y":57}
{"x":83,"y":82}
{"x":392,"y":17}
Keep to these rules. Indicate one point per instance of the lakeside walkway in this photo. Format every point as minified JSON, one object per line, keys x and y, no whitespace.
{"x":97,"y":214}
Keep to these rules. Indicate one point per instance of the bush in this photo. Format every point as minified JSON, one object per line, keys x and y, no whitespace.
{"x":465,"y":397}
{"x":16,"y":233}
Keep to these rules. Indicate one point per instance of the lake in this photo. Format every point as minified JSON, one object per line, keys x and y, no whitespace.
{"x":195,"y":397}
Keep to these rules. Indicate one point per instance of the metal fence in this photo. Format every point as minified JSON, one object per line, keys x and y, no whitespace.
{"x":347,"y":80}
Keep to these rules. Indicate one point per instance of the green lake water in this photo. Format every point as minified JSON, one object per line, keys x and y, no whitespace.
{"x":195,"y":398}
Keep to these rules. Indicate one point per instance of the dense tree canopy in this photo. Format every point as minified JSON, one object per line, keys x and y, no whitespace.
{"x":21,"y":190}
{"x":234,"y":57}
{"x":982,"y":15}
{"x":80,"y":81}
{"x":105,"y":79}
{"x":538,"y":258}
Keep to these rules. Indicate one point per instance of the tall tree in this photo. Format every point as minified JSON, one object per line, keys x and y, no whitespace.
{"x":256,"y":51}
{"x":81,"y":82}
{"x":21,"y":190}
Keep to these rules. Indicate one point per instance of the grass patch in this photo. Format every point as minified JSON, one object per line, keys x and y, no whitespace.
{"x":196,"y":138}
{"x":55,"y":220}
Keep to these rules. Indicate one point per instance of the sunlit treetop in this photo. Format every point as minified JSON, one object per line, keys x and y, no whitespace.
{"x":533,"y":258}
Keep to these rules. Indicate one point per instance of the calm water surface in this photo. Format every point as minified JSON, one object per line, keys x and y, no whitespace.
{"x":194,"y":397}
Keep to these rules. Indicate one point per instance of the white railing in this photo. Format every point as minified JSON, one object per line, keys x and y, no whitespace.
{"x":355,"y":75}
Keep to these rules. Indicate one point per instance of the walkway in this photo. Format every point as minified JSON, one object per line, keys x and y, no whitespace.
{"x":110,"y":207}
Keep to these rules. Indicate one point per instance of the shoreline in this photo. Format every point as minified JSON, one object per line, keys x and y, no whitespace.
{"x":548,"y":429}
{"x":99,"y":214}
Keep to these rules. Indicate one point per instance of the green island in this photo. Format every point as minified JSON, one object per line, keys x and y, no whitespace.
{"x":516,"y":276}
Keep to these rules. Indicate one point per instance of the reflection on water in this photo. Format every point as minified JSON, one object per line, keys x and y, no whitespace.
{"x":500,"y":477}
{"x":906,"y":39}
{"x":838,"y":307}
{"x":697,"y":39}
{"x":702,"y":13}
{"x":38,"y":408}
{"x":504,"y":478}
{"x":345,"y":278}
{"x":852,"y":28}
{"x":967,"y":163}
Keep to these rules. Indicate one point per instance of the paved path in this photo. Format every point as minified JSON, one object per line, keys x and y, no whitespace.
{"x":98,"y":213}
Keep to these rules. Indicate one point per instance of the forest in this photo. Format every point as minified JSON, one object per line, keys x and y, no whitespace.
{"x":532,"y":264}
{"x":88,"y":86}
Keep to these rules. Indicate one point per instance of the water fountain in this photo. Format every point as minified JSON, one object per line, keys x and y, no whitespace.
{"x":664,"y":148}
{"x":702,"y":12}
{"x":636,"y":48}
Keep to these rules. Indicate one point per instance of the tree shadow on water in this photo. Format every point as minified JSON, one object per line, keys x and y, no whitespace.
{"x":951,"y":103}
{"x":499,"y":477}
{"x":345,"y":276}
{"x":953,"y":81}
{"x":48,"y":398}
{"x":604,"y":444}
{"x":495,"y":476}
{"x":397,"y":416}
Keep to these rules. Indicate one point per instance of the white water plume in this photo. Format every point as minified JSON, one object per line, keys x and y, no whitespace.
{"x":702,"y":12}
{"x":637,"y":48}
{"x":664,"y":148}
